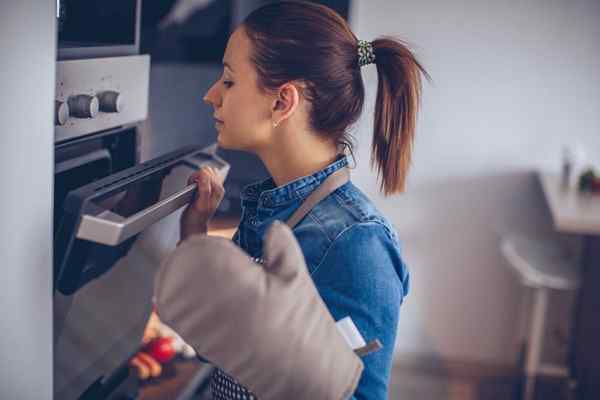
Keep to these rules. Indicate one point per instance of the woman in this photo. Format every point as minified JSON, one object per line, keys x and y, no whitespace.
{"x":290,"y":89}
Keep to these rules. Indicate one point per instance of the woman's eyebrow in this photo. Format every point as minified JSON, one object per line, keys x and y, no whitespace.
{"x":228,"y":66}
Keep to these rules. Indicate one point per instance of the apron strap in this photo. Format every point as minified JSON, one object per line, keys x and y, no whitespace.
{"x":333,"y":181}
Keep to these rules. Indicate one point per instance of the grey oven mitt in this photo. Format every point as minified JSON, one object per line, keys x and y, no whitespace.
{"x":266,"y":325}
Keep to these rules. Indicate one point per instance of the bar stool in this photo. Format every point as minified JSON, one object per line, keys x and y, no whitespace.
{"x":542,"y":264}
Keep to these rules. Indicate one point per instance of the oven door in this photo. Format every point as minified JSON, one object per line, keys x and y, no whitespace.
{"x":106,"y":256}
{"x":102,"y":219}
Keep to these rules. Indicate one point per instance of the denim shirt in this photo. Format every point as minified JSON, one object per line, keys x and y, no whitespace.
{"x":353,"y":256}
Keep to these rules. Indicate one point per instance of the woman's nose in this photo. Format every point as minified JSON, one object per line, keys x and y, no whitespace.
{"x":211,"y":97}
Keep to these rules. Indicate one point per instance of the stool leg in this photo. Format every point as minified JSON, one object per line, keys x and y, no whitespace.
{"x":572,"y":379}
{"x":524,"y":316}
{"x":525,"y":307}
{"x":536,"y":335}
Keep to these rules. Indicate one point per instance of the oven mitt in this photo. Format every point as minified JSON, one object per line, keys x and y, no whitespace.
{"x":265,"y":325}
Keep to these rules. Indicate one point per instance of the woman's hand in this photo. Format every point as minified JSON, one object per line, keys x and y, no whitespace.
{"x":202,"y":207}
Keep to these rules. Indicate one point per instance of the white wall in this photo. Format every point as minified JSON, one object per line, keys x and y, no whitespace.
{"x":27,"y":64}
{"x":513,"y":80}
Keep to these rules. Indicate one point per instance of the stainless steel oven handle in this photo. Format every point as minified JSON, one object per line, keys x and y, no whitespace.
{"x":112,"y":229}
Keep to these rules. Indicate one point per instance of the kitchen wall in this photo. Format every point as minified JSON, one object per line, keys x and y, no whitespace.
{"x":512,"y":82}
{"x":27,"y":54}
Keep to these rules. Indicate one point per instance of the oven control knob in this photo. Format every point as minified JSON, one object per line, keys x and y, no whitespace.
{"x":61,"y":112}
{"x":111,"y":101}
{"x":83,"y":106}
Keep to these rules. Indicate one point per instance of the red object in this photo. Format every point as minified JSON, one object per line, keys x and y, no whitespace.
{"x":161,"y":349}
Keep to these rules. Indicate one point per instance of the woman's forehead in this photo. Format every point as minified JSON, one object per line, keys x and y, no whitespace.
{"x":236,"y":55}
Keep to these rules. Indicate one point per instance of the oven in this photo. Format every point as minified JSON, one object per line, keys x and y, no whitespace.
{"x":111,"y":209}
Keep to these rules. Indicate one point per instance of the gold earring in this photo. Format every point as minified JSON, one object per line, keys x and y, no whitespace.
{"x":275,"y":124}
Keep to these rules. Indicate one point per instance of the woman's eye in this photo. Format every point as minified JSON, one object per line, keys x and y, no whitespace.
{"x":228,"y":83}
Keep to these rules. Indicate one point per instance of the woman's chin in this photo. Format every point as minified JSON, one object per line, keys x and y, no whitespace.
{"x":226,"y":144}
{"x":222,"y":143}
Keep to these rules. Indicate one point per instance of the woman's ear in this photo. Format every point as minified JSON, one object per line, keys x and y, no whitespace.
{"x":286,"y":101}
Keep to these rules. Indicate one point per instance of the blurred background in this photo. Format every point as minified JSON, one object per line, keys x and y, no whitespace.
{"x":514,"y":96}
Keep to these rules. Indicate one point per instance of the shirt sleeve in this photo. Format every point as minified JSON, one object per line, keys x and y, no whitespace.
{"x":361,"y":276}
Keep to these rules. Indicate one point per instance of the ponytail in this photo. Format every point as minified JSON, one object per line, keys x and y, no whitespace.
{"x":396,"y":108}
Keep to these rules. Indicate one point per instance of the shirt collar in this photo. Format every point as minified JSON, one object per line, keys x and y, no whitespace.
{"x":264,"y":193}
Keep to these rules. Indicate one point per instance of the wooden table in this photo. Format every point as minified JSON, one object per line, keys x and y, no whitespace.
{"x":574,"y":212}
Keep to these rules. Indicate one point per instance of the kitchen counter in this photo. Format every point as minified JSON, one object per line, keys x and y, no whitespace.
{"x":572,"y":212}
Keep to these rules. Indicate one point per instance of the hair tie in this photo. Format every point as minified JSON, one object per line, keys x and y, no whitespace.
{"x":366,"y":55}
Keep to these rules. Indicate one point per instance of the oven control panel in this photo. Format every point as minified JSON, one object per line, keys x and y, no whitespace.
{"x":96,"y":94}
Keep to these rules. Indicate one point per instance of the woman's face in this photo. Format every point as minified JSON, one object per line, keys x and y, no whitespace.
{"x":244,"y":111}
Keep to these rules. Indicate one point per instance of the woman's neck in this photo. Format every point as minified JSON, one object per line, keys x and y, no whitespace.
{"x":298,"y":157}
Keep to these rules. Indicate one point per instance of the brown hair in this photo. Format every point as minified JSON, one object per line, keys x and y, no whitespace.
{"x":310,"y":43}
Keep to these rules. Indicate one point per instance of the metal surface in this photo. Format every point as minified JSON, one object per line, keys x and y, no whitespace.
{"x":127,"y":76}
{"x":111,"y":229}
